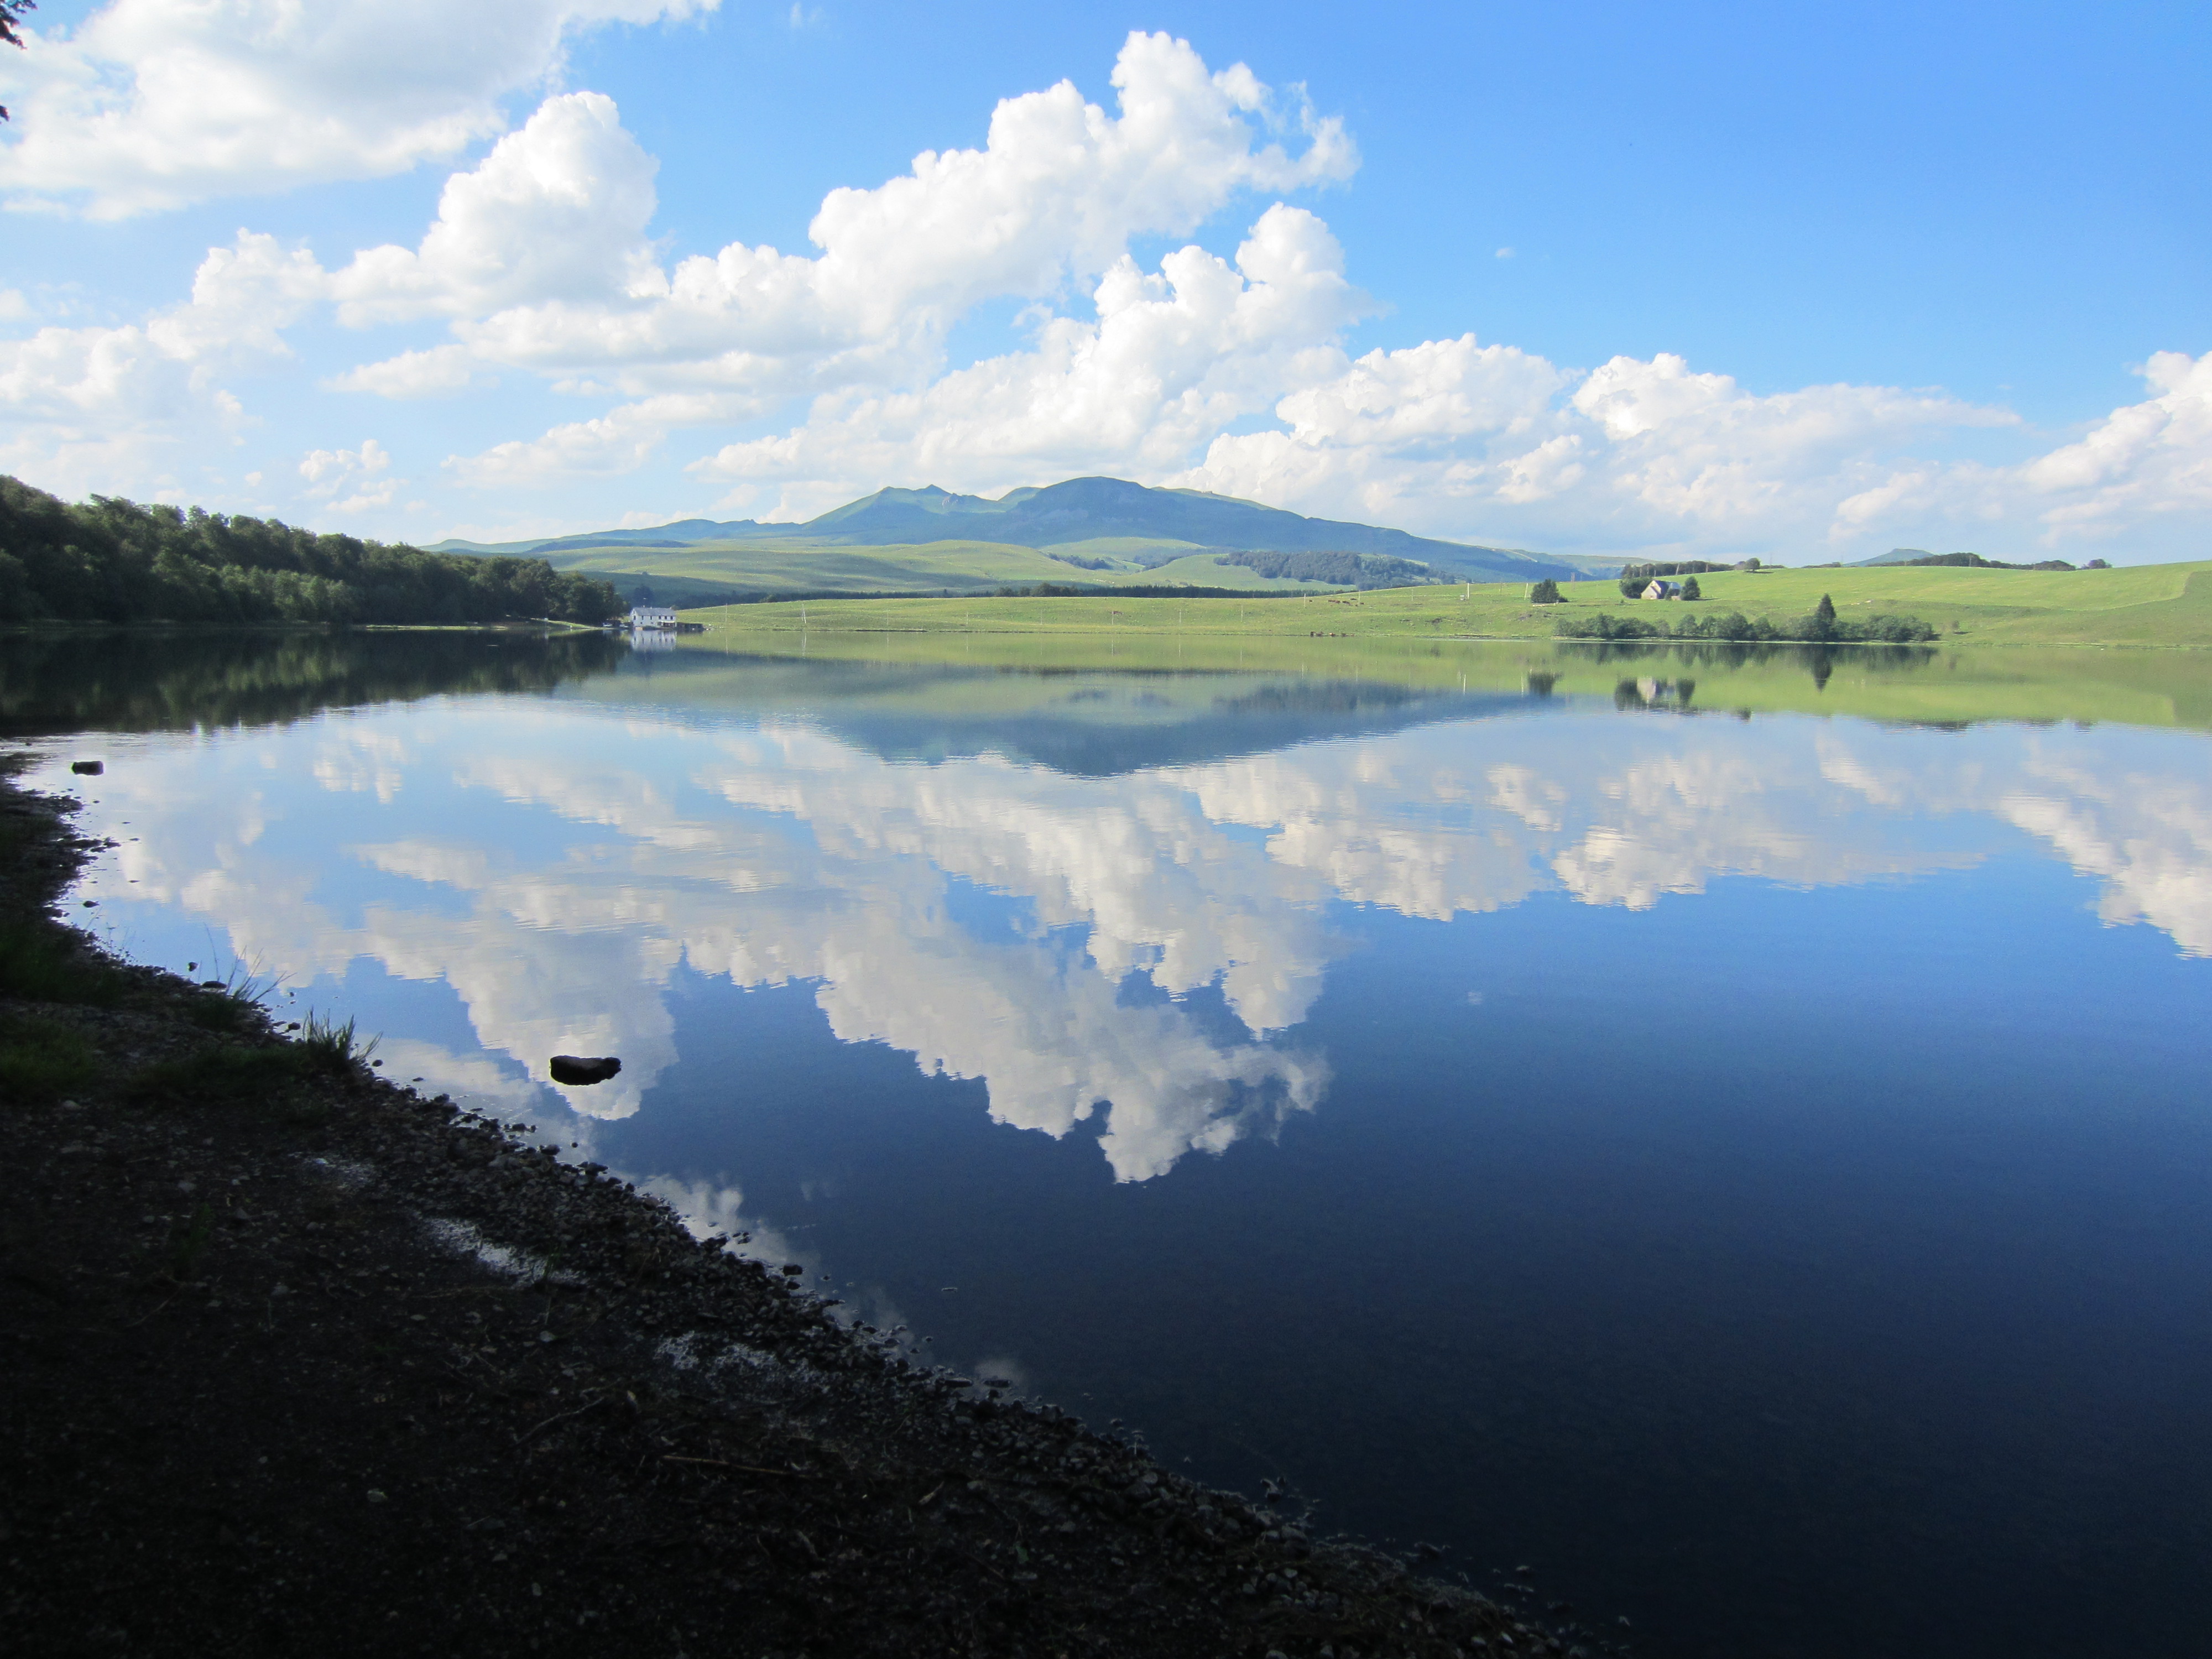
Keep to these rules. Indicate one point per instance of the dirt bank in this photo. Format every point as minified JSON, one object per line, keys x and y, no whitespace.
{"x":297,"y":1361}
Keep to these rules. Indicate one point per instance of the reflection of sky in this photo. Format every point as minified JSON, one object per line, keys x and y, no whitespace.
{"x":1068,"y":938}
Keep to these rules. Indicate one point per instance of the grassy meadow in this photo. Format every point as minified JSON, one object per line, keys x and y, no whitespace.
{"x":1489,"y":638}
{"x":2166,"y":604}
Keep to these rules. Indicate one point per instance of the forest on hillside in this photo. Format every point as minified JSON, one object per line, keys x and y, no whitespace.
{"x":114,"y":561}
{"x":1342,"y":569}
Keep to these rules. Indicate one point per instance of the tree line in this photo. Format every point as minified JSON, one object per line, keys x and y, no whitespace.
{"x":1363,"y":570}
{"x":1822,"y":627}
{"x":1644,"y":573}
{"x":114,"y":561}
{"x":1976,"y":561}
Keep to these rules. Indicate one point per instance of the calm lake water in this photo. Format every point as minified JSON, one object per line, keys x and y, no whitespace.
{"x":1752,"y":1166}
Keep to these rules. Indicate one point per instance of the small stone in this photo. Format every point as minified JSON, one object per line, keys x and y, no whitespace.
{"x":375,"y":1497}
{"x":545,"y":1336}
{"x":88,"y":768}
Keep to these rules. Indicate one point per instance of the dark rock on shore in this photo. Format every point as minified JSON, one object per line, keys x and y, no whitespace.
{"x":297,"y":1361}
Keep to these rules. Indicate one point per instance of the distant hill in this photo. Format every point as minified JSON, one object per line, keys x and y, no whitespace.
{"x":1914,"y":555}
{"x":1103,"y":524}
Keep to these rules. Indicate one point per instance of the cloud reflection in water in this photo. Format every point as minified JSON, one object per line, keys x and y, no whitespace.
{"x":555,"y":863}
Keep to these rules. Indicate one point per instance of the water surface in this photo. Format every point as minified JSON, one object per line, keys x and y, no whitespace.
{"x":1749,"y":1164}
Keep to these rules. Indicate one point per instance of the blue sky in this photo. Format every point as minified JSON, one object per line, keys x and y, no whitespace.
{"x":1804,"y":282}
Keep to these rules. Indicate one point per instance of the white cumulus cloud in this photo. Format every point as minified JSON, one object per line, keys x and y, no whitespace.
{"x":541,"y":256}
{"x":85,"y":408}
{"x":805,"y":377}
{"x":351,"y":480}
{"x":153,"y":104}
{"x":1171,"y":357}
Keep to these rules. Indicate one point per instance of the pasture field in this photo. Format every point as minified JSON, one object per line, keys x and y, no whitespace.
{"x":2166,"y":604}
{"x":2162,"y":604}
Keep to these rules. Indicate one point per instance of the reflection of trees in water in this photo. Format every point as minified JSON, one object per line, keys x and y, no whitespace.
{"x":136,"y":682}
{"x":1818,"y":660}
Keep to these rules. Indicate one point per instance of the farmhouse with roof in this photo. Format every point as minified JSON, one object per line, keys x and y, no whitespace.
{"x":1662,"y":589}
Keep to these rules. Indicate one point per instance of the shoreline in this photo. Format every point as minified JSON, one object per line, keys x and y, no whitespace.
{"x":302,"y":1358}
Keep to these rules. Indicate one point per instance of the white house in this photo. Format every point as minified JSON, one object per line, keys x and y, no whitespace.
{"x":652,"y":615}
{"x":1658,"y":590}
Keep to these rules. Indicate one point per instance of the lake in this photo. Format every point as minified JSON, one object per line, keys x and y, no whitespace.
{"x":1731,"y":1132}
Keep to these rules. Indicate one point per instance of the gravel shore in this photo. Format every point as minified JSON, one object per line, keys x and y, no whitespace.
{"x":298,"y":1361}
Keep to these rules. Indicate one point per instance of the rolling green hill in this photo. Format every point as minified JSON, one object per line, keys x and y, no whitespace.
{"x":766,"y":567}
{"x":1132,"y":527}
{"x":723,"y":573}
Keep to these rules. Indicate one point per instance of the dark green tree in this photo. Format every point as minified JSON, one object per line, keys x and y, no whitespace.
{"x":1545,"y":591}
{"x":1690,"y":589}
{"x":113,"y":560}
{"x":11,"y":14}
{"x":1821,"y":624}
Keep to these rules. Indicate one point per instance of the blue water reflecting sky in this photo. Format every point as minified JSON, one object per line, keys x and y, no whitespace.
{"x":1754,"y":1170}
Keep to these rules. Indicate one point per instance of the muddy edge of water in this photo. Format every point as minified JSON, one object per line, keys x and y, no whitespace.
{"x":299,"y":1360}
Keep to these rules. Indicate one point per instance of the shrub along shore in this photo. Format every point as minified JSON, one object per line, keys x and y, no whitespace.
{"x":301,"y":1360}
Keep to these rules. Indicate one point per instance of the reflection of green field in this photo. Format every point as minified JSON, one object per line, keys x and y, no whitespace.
{"x":2165,"y":605}
{"x":1941,"y":685}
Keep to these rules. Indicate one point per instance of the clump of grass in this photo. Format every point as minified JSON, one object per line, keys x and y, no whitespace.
{"x":43,"y":1058}
{"x":332,"y":1046}
{"x":238,"y":1005}
{"x":260,"y":1073}
{"x":231,"y":1072}
{"x":41,"y":962}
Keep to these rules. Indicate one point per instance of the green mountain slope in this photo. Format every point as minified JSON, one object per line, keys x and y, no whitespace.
{"x":957,"y":566}
{"x":1085,"y":516}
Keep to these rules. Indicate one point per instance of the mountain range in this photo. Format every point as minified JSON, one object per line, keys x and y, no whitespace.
{"x":1109,"y":530}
